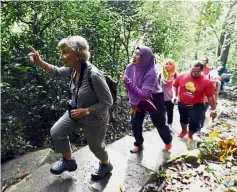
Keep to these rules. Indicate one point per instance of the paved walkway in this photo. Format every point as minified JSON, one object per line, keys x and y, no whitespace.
{"x":130,"y":170}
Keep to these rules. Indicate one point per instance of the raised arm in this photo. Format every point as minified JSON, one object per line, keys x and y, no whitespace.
{"x":53,"y":70}
{"x":37,"y":60}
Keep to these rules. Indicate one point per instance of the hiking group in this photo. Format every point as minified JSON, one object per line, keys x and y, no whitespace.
{"x":91,"y":95}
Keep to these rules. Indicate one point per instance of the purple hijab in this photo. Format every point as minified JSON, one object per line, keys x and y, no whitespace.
{"x":143,"y":74}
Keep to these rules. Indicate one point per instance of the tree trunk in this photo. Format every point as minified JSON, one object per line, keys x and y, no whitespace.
{"x":222,"y":37}
{"x":225,"y":37}
{"x":225,"y":49}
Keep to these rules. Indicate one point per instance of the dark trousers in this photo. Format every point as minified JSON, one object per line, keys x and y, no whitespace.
{"x":191,"y":115}
{"x":169,"y":111}
{"x":158,"y":120}
{"x":203,"y":115}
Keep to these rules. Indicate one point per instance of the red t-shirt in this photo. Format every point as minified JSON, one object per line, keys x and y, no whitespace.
{"x":193,"y":90}
{"x":206,"y":70}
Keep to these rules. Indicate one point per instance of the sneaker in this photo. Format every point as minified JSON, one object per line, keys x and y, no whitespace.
{"x":103,"y":170}
{"x":190,"y":138}
{"x":63,"y":165}
{"x":136,"y":149}
{"x":182,"y":134}
{"x":167,"y":147}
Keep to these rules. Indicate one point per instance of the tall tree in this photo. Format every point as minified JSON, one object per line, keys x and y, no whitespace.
{"x":211,"y":14}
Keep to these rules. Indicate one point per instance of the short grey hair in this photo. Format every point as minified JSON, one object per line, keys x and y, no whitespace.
{"x":76,"y":44}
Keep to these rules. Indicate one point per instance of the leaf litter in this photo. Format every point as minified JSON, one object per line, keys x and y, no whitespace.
{"x":217,"y":170}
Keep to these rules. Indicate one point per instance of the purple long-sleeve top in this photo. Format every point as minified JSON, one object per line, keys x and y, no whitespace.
{"x":141,"y":94}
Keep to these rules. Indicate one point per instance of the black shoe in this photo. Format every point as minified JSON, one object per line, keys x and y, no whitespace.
{"x":103,"y":170}
{"x":136,"y":149}
{"x":63,"y":165}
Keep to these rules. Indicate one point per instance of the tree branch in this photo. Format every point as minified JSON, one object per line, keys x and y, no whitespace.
{"x":209,"y":23}
{"x":21,"y":19}
{"x":47,"y":25}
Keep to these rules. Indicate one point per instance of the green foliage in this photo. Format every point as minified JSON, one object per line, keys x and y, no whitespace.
{"x":160,"y":175}
{"x":209,"y":150}
{"x":32,"y":103}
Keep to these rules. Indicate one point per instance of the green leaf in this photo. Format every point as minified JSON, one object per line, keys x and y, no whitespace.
{"x":209,"y":170}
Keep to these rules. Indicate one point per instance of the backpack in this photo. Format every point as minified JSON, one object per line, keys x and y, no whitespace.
{"x":110,"y":82}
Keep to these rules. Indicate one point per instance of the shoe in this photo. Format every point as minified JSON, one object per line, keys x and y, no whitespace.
{"x":63,"y":165}
{"x":167,"y":147}
{"x":182,"y":134}
{"x":190,"y":138}
{"x":103,"y":170}
{"x":136,"y":149}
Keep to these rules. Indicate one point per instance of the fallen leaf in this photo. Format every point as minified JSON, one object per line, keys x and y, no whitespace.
{"x":222,"y":157}
{"x":229,"y":183}
{"x":122,"y":188}
{"x":23,"y":176}
{"x":214,"y":134}
{"x":179,"y":167}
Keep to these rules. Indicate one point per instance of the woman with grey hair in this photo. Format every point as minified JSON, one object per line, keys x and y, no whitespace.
{"x":88,"y":108}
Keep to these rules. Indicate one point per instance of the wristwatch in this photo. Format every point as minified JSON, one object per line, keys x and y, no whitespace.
{"x":87,"y":111}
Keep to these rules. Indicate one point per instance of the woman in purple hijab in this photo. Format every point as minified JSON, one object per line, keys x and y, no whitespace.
{"x":145,"y":95}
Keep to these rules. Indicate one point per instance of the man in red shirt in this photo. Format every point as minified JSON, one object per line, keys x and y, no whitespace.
{"x":191,"y":89}
{"x":206,"y":69}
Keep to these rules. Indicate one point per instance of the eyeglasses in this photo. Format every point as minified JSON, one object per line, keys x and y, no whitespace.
{"x":195,"y":72}
{"x":136,"y":53}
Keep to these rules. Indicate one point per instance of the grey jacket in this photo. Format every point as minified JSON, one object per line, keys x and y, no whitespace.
{"x":99,"y":99}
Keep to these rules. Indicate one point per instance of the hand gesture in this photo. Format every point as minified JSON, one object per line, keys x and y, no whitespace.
{"x":34,"y":56}
{"x":78,"y":113}
{"x":122,"y":77}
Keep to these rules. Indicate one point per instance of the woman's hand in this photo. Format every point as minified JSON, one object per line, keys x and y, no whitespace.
{"x":134,"y":110}
{"x":122,"y":77}
{"x":174,"y":99}
{"x":78,"y":113}
{"x":34,"y":56}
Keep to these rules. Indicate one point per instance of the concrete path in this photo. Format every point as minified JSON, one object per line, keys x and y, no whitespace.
{"x":130,"y":170}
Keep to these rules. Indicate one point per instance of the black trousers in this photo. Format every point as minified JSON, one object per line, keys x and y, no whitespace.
{"x":203,"y":115}
{"x":169,"y":111}
{"x":158,"y":120}
{"x":191,"y":115}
